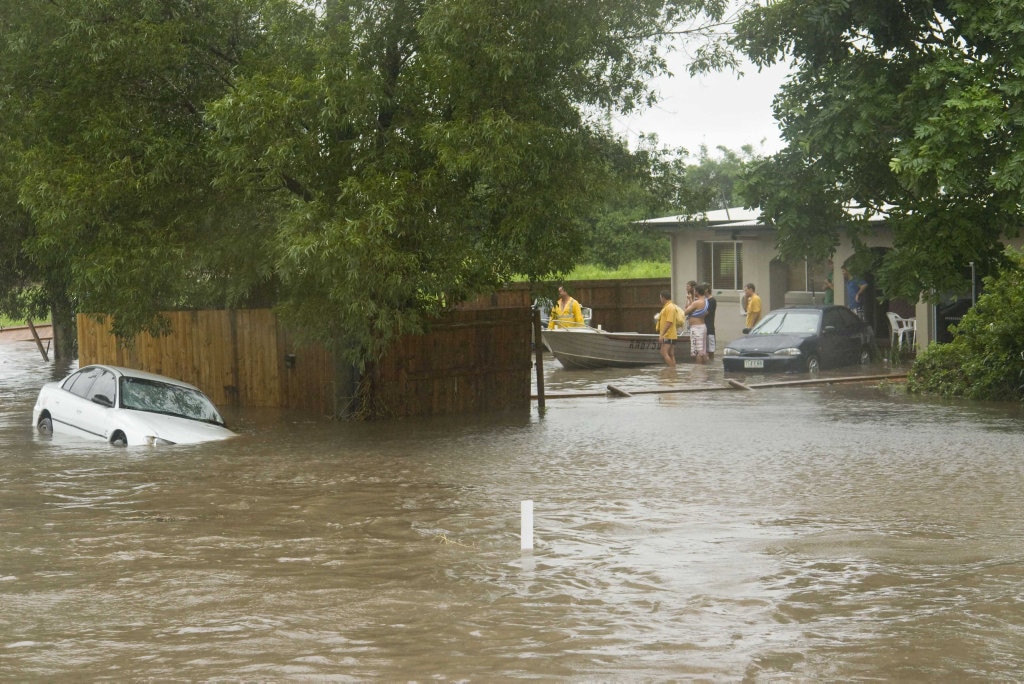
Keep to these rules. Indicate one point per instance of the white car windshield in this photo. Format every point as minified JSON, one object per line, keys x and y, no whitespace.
{"x":159,"y":397}
{"x":788,"y":323}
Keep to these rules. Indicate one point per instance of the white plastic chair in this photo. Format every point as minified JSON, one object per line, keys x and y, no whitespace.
{"x":903,"y":329}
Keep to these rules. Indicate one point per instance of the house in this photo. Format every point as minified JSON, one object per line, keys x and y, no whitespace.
{"x":728,"y":248}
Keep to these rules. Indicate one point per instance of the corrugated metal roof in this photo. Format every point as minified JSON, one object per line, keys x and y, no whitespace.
{"x":734,"y":217}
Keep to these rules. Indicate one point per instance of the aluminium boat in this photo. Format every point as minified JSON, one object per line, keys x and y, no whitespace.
{"x":587,"y":347}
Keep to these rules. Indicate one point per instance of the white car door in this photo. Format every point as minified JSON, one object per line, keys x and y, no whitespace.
{"x":87,"y":404}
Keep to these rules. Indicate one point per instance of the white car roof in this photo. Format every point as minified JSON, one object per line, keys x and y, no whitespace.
{"x":141,"y":374}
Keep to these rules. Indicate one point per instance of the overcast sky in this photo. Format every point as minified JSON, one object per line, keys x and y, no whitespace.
{"x":717,"y":109}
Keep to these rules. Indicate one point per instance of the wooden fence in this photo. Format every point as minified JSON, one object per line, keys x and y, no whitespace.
{"x":471,"y":361}
{"x":475,"y":359}
{"x":619,"y":305}
{"x":237,"y":357}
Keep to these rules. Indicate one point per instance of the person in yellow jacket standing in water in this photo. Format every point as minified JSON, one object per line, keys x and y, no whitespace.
{"x":667,"y":331}
{"x":567,"y":312}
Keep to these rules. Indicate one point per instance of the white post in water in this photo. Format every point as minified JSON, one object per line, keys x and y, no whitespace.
{"x":526,"y":525}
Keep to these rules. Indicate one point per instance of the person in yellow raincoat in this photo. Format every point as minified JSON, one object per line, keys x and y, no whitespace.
{"x":566,"y":313}
{"x":667,"y":331}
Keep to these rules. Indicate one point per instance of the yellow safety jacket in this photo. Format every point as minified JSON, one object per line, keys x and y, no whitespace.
{"x":568,"y":316}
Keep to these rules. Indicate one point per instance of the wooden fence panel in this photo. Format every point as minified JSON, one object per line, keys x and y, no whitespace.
{"x":260,"y":358}
{"x":470,"y":361}
{"x":618,"y":305}
{"x":213,"y":356}
{"x":307,"y":377}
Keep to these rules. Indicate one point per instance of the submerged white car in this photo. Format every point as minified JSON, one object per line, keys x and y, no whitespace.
{"x":127,"y":407}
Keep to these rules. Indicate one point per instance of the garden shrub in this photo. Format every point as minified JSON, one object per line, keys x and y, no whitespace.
{"x":985,"y":360}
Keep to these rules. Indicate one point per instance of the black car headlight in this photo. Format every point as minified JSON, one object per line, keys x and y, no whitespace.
{"x":788,"y":351}
{"x":729,"y":351}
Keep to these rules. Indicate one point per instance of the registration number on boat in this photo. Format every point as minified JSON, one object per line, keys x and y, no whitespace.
{"x":753,"y":363}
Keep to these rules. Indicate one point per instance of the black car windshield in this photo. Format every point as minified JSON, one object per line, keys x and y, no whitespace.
{"x":140,"y":394}
{"x":788,"y":323}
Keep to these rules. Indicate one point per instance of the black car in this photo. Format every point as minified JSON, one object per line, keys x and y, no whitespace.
{"x":802,"y":338}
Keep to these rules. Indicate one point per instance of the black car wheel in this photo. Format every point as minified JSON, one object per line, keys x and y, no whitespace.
{"x":45,"y":425}
{"x":118,"y":439}
{"x":813,"y":365}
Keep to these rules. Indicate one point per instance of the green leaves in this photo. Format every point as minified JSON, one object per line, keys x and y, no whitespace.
{"x":985,"y":360}
{"x":360,"y":165}
{"x":912,"y":107}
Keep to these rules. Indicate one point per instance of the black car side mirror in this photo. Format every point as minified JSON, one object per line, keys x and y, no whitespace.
{"x":103,"y":400}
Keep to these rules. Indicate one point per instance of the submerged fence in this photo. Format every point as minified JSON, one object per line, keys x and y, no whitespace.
{"x":474,"y":360}
{"x":237,"y":357}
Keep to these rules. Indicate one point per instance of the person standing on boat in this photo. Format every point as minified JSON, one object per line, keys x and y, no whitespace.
{"x":695,"y":314}
{"x":567,"y":312}
{"x":667,"y":332}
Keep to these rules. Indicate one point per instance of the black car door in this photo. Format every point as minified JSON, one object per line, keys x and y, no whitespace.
{"x":848,"y":339}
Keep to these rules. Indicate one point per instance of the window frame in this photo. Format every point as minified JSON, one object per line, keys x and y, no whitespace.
{"x":709,"y":256}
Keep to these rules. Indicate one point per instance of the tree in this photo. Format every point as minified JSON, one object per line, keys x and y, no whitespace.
{"x":106,"y":171}
{"x":361,"y":164}
{"x":911,"y":108}
{"x":718,"y":181}
{"x":655,"y":181}
{"x":423,"y":153}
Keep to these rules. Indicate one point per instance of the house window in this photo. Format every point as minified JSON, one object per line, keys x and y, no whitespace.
{"x":721,"y":264}
{"x":806,"y":276}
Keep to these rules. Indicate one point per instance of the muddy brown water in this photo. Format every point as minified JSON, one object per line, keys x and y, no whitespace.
{"x":834,"y":532}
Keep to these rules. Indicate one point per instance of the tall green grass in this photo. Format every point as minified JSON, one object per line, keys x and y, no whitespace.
{"x":6,"y":322}
{"x":634,"y":269}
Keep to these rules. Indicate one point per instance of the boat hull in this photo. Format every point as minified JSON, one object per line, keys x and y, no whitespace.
{"x":591,"y":348}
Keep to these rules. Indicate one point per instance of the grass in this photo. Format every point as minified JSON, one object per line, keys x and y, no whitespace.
{"x":6,"y":322}
{"x":635,"y":269}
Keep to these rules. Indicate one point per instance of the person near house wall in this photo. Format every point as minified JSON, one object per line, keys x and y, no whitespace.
{"x":753,"y":305}
{"x":830,"y":288}
{"x":855,"y":289}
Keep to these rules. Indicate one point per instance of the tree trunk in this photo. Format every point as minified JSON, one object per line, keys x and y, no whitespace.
{"x":65,"y":330}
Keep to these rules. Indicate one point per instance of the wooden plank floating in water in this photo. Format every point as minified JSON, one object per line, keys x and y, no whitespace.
{"x":618,"y":392}
{"x":732,"y":384}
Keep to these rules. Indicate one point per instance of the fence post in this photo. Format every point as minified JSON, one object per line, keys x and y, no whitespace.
{"x":538,"y":347}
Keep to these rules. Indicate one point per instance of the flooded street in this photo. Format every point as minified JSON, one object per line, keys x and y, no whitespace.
{"x":831,"y":532}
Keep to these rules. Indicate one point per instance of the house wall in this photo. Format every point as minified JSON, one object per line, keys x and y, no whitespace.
{"x":758,"y":254}
{"x":761,"y":267}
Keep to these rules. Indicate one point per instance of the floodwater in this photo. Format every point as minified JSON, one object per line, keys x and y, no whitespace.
{"x":833,"y":532}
